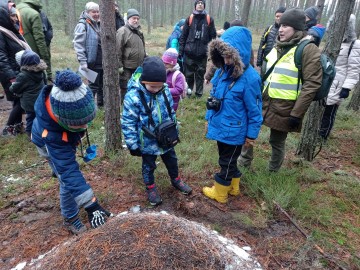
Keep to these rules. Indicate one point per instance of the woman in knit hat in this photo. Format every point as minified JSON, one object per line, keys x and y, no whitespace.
{"x":285,"y":102}
{"x":29,"y":81}
{"x":63,"y":111}
{"x":174,"y":78}
{"x":147,"y":104}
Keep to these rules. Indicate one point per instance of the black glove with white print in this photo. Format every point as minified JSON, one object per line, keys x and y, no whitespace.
{"x":97,"y":215}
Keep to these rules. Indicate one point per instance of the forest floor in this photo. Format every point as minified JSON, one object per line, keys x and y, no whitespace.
{"x":31,"y":223}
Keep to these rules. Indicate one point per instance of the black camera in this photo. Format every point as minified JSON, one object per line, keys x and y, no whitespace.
{"x":213,"y":104}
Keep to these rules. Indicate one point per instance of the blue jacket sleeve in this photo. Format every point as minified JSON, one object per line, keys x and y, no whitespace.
{"x":253,"y":104}
{"x":130,"y":120}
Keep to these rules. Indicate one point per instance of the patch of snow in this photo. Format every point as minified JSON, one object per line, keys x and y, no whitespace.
{"x":21,"y":162}
{"x":20,"y":266}
{"x":246,"y":248}
{"x":11,"y":178}
{"x":164,"y":212}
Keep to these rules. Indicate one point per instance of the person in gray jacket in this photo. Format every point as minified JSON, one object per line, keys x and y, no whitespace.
{"x":87,"y":45}
{"x":130,"y":47}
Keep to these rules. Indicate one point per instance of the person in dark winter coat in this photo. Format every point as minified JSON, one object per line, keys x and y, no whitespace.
{"x":347,"y":76}
{"x":87,"y":45}
{"x":119,"y":20}
{"x":236,"y":120}
{"x":199,"y":30}
{"x":130,"y":47}
{"x":147,"y":85}
{"x":268,"y":39}
{"x":11,"y":42}
{"x":311,"y":14}
{"x":63,"y":111}
{"x":29,"y":81}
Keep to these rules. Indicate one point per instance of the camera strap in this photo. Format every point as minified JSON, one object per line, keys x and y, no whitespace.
{"x":147,"y":109}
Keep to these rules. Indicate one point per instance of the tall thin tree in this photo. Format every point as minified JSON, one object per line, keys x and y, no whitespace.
{"x":111,"y":77}
{"x":354,"y":103}
{"x":309,"y":140}
{"x":246,"y":12}
{"x":237,"y":9}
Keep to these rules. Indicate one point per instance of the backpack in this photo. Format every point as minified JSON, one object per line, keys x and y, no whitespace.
{"x":327,"y":66}
{"x":173,"y":80}
{"x":192,"y":16}
{"x":47,"y":28}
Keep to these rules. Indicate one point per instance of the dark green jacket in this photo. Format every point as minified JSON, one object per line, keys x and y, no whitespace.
{"x":33,"y":29}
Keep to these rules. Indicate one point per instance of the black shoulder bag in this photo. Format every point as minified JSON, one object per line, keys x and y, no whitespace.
{"x":165,"y":133}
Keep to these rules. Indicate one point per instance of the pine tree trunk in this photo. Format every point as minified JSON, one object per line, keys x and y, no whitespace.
{"x":354,"y":103}
{"x":309,"y":136}
{"x":111,"y":77}
{"x":246,"y":12}
{"x":70,"y":15}
{"x":320,"y":5}
{"x":237,"y":9}
{"x":310,"y":3}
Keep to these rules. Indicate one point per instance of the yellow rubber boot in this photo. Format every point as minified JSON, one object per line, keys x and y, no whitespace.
{"x":235,"y":187}
{"x":217,"y":192}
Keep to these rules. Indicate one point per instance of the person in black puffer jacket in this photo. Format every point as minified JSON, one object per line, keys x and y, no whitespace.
{"x":28,"y":84}
{"x":268,"y":39}
{"x":11,"y":42}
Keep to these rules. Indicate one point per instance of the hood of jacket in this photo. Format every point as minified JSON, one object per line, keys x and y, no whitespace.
{"x":350,"y":34}
{"x":36,"y":4}
{"x":5,"y":20}
{"x":86,"y":16}
{"x":235,"y":42}
{"x":36,"y":68}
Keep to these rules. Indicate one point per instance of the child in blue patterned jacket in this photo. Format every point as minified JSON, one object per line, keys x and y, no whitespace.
{"x":147,"y":88}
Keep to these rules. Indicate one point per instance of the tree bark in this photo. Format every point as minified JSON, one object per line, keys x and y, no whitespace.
{"x":70,"y":21}
{"x":354,"y":103}
{"x":246,"y":12}
{"x":111,"y":77}
{"x":309,"y":140}
{"x":310,"y":3}
{"x":320,"y":6}
{"x":237,"y":9}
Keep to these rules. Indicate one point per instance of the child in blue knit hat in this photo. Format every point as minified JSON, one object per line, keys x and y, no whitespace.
{"x":29,"y":81}
{"x":147,"y":105}
{"x":63,"y":111}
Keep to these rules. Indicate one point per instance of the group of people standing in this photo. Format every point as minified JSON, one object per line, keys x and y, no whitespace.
{"x":240,"y":99}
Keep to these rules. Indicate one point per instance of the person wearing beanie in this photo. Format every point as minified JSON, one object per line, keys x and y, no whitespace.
{"x":268,"y":40}
{"x":63,"y":111}
{"x":11,"y":42}
{"x":311,"y":14}
{"x":148,"y":103}
{"x":285,"y":102}
{"x":32,"y":30}
{"x":130,"y":48}
{"x":346,"y":78}
{"x":233,"y":112}
{"x":87,"y":45}
{"x":29,"y":81}
{"x":225,"y":27}
{"x":175,"y":79}
{"x":199,"y":29}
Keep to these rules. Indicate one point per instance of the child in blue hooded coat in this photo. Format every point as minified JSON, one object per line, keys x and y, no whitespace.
{"x":148,"y":85}
{"x":63,"y":111}
{"x":234,"y":110}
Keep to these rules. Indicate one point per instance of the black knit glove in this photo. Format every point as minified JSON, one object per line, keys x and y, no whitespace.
{"x":97,"y":215}
{"x":344,"y":93}
{"x":136,"y":152}
{"x":294,"y":122}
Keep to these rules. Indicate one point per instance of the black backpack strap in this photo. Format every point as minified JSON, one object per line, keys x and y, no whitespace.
{"x":351,"y":46}
{"x":167,"y":103}
{"x":147,"y":109}
{"x":298,"y":59}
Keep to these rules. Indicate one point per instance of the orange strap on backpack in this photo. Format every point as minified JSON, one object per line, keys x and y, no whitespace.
{"x":52,"y":116}
{"x":21,"y":30}
{"x":192,"y":17}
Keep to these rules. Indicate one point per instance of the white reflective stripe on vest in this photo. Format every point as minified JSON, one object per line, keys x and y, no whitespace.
{"x":282,"y":83}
